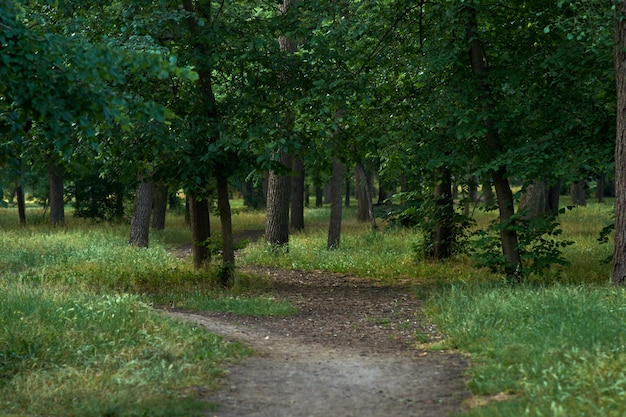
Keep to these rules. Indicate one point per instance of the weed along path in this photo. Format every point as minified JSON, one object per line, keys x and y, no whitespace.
{"x":352,"y":350}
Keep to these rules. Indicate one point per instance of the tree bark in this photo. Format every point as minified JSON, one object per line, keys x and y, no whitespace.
{"x":21,"y":203}
{"x":160,"y":206}
{"x":443,"y":216}
{"x":334,"y":225}
{"x":57,"y":203}
{"x":278,"y":200}
{"x":140,"y":222}
{"x":618,"y":275}
{"x":508,"y":235}
{"x":534,"y":200}
{"x":319,"y":196}
{"x":600,"y":186}
{"x":347,"y":196}
{"x":552,"y":198}
{"x":365,"y":210}
{"x":577,"y":193}
{"x":200,"y":231}
{"x":227,"y":274}
{"x":297,"y":195}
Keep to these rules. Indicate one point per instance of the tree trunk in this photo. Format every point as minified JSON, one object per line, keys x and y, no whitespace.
{"x":278,"y":199}
{"x":443,"y":216}
{"x":508,"y":235}
{"x":297,"y":195}
{"x":534,"y":201}
{"x":319,"y":196}
{"x":552,"y":198}
{"x":227,"y":274}
{"x":200,"y":231}
{"x":21,"y":203}
{"x":365,"y":211}
{"x":160,"y":207}
{"x":347,"y":196}
{"x":336,"y":184}
{"x":619,"y":252}
{"x":57,"y":204}
{"x":140,"y":222}
{"x":577,"y":193}
{"x":600,"y":186}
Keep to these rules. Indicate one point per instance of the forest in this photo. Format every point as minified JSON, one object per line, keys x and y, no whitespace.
{"x":474,"y":149}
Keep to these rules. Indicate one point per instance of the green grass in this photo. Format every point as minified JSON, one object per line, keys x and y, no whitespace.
{"x":68,"y":353}
{"x":562,"y":348}
{"x":557,"y":344}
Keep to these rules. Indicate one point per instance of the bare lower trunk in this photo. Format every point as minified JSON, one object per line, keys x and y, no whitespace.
{"x":140,"y":222}
{"x":619,"y":252}
{"x":228,"y":251}
{"x":444,"y":215}
{"x":336,"y":184}
{"x":57,"y":203}
{"x":297,"y":195}
{"x":366,"y":207}
{"x":577,"y":193}
{"x":533,"y":202}
{"x":21,"y":203}
{"x":200,"y":231}
{"x":160,"y":207}
{"x":278,"y":199}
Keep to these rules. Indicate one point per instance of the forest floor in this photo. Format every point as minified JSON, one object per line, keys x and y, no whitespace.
{"x":353,"y":349}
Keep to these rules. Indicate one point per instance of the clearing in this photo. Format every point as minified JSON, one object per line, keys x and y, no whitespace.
{"x":352,"y":350}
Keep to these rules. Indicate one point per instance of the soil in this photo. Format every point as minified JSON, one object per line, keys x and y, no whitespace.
{"x":353,"y":349}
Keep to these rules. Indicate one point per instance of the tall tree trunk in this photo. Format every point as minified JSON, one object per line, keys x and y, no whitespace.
{"x":619,"y":252}
{"x":552,"y":198}
{"x":508,"y":235}
{"x":278,"y":199}
{"x":366,"y":205}
{"x":140,"y":222}
{"x":443,"y":216}
{"x":600,"y":186}
{"x":297,"y":195}
{"x":227,"y":274}
{"x":21,"y":203}
{"x":533,"y":201}
{"x":334,"y":225}
{"x":319,"y":196}
{"x":347,"y":196}
{"x":577,"y":193}
{"x":200,"y":231}
{"x":160,"y":206}
{"x":57,"y":204}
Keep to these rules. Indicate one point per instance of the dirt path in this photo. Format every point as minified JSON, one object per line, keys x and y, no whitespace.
{"x":351,"y":350}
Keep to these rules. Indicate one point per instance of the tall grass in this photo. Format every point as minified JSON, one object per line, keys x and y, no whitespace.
{"x":562,"y":348}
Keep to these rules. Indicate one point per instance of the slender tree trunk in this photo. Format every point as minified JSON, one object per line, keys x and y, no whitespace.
{"x":508,"y":235}
{"x":160,"y":206}
{"x":140,"y":222}
{"x":347,"y":196}
{"x":297,"y":195}
{"x":619,"y":253}
{"x":227,"y":274}
{"x":601,"y":185}
{"x":443,"y":216}
{"x":200,"y":231}
{"x":278,"y":199}
{"x":21,"y":203}
{"x":366,"y":205}
{"x":336,"y":184}
{"x":57,"y":203}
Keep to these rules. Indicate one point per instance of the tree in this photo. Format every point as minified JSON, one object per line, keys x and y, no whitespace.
{"x":618,"y":275}
{"x":144,"y":197}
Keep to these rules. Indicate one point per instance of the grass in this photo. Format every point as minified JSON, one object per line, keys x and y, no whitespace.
{"x":79,"y":336}
{"x":554,"y":346}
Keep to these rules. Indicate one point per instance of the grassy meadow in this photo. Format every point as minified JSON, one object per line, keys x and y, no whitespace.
{"x":79,"y":336}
